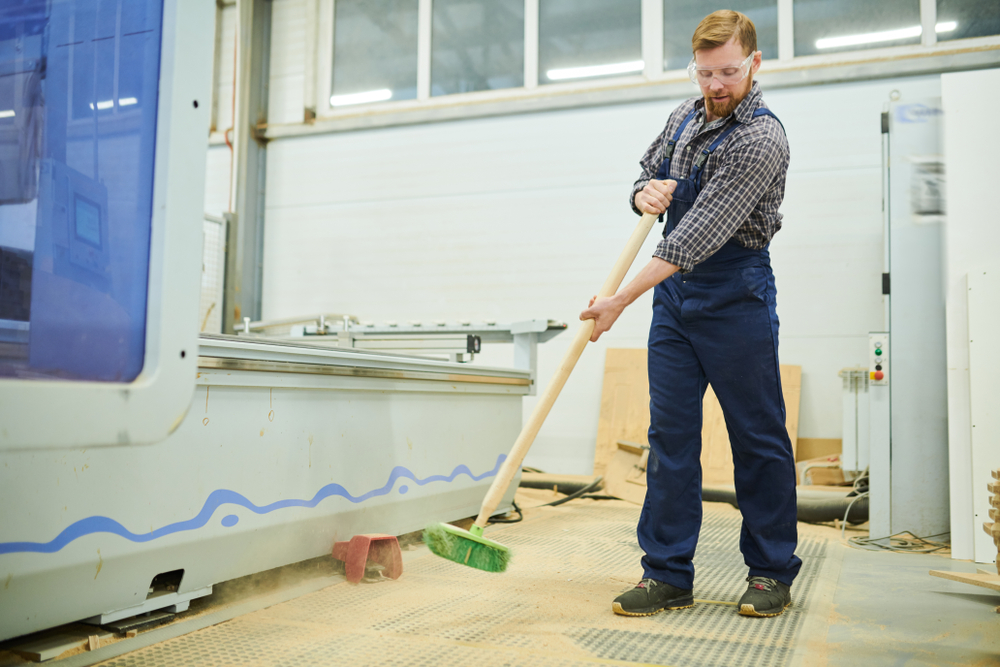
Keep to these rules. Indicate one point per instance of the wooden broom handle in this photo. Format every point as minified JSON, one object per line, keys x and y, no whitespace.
{"x":548,"y":398}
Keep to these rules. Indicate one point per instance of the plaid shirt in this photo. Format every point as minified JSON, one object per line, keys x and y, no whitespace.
{"x":743,"y":181}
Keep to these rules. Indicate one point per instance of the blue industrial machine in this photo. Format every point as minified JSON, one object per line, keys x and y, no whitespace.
{"x":139,"y":464}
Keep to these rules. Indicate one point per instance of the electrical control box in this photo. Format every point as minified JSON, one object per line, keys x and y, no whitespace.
{"x":878,"y":359}
{"x":880,"y":436}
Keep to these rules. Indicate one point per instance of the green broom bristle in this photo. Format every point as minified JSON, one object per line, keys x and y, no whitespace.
{"x":463,"y":547}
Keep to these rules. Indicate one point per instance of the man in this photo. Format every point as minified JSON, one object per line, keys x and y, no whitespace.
{"x":718,"y":172}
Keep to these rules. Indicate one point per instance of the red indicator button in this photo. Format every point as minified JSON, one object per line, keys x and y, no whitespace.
{"x":878,"y":375}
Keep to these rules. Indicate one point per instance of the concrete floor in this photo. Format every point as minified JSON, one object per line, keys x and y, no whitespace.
{"x":886,"y":610}
{"x":552,"y":607}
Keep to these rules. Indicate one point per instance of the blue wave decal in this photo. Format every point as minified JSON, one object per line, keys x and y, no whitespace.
{"x":220,"y":497}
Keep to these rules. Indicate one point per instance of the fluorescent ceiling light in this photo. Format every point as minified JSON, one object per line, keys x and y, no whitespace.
{"x":9,"y":113}
{"x":594,"y":70}
{"x":884,"y":36}
{"x":380,"y":95}
{"x":127,"y":101}
{"x":106,"y":104}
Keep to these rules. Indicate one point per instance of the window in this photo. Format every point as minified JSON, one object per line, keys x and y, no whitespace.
{"x":477,"y":45}
{"x":585,"y":39}
{"x":392,"y":50}
{"x":375,"y":51}
{"x":78,"y":115}
{"x":957,"y":19}
{"x":829,"y":26}
{"x":681,"y":17}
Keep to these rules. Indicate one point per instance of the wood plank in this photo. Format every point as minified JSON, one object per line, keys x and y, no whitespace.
{"x":624,"y":404}
{"x":625,"y":415}
{"x":48,"y":646}
{"x":991,"y":581}
{"x":633,"y":447}
{"x":716,"y":452}
{"x":625,"y":477}
{"x":791,"y":389}
{"x":814,"y":448}
{"x":992,"y":529}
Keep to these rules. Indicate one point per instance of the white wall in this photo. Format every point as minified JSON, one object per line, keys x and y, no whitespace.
{"x":522,"y":216}
{"x":972,"y":239}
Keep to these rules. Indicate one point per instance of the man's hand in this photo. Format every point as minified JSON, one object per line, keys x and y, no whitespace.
{"x":605,"y":310}
{"x":655,"y":197}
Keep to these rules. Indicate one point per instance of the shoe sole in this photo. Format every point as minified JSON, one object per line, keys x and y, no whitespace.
{"x":676,"y":604}
{"x":748,"y":610}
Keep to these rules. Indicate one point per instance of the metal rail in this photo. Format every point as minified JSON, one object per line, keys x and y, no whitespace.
{"x":222,"y":363}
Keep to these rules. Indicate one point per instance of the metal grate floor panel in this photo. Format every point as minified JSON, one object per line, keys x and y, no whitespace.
{"x":552,"y":607}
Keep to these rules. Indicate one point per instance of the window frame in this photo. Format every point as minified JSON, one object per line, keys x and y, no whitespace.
{"x":652,"y":83}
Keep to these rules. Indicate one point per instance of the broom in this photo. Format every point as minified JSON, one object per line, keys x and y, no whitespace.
{"x":469,"y":547}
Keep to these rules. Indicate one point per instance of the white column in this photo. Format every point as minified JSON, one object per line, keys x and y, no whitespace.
{"x":311,"y":10}
{"x":652,"y":39}
{"x":530,"y":43}
{"x":323,"y":69}
{"x":928,"y":21}
{"x":424,"y":20}
{"x":786,"y":31}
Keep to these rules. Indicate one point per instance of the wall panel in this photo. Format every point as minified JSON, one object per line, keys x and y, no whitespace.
{"x":517,"y":217}
{"x":972,"y":236}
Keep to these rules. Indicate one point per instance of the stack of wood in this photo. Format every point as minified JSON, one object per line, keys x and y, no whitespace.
{"x":622,"y":447}
{"x":983,"y":577}
{"x":993,"y":527}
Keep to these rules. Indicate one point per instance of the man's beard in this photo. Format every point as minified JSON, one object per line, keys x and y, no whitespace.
{"x":727,"y":107}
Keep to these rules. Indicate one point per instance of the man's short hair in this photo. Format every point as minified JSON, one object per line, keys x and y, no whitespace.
{"x":719,"y":27}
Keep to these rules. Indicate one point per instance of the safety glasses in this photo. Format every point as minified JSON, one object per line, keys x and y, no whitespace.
{"x":726,"y":75}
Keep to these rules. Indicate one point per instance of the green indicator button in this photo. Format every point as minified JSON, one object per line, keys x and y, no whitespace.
{"x":878,"y":351}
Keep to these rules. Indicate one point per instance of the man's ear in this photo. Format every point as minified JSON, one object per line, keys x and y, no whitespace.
{"x":755,"y":65}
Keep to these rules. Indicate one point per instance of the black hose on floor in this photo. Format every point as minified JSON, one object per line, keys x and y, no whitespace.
{"x":810,"y":509}
{"x":593,"y":486}
{"x":562,"y":486}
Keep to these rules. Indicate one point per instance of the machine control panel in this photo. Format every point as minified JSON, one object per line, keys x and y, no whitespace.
{"x":878,"y":359}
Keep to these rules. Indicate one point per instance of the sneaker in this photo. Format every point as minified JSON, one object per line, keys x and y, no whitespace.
{"x":765,"y":597}
{"x":650,"y":597}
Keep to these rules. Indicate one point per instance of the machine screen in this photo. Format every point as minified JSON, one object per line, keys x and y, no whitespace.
{"x":78,"y":119}
{"x":88,"y":221}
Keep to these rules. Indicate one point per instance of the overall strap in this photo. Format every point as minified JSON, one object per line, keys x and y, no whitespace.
{"x":767,"y":112}
{"x":699,"y":162}
{"x":664,"y":171}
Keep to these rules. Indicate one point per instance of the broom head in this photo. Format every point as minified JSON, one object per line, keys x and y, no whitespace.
{"x":466,"y":547}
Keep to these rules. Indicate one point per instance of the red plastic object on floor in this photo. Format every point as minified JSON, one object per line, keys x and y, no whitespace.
{"x":374,"y":547}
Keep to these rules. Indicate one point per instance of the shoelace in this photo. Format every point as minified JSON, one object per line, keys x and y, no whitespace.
{"x":647,"y":583}
{"x":761,"y":583}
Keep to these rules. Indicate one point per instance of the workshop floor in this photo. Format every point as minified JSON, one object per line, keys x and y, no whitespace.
{"x":553,"y":607}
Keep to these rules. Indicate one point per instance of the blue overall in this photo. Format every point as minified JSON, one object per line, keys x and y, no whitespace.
{"x":716,"y":324}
